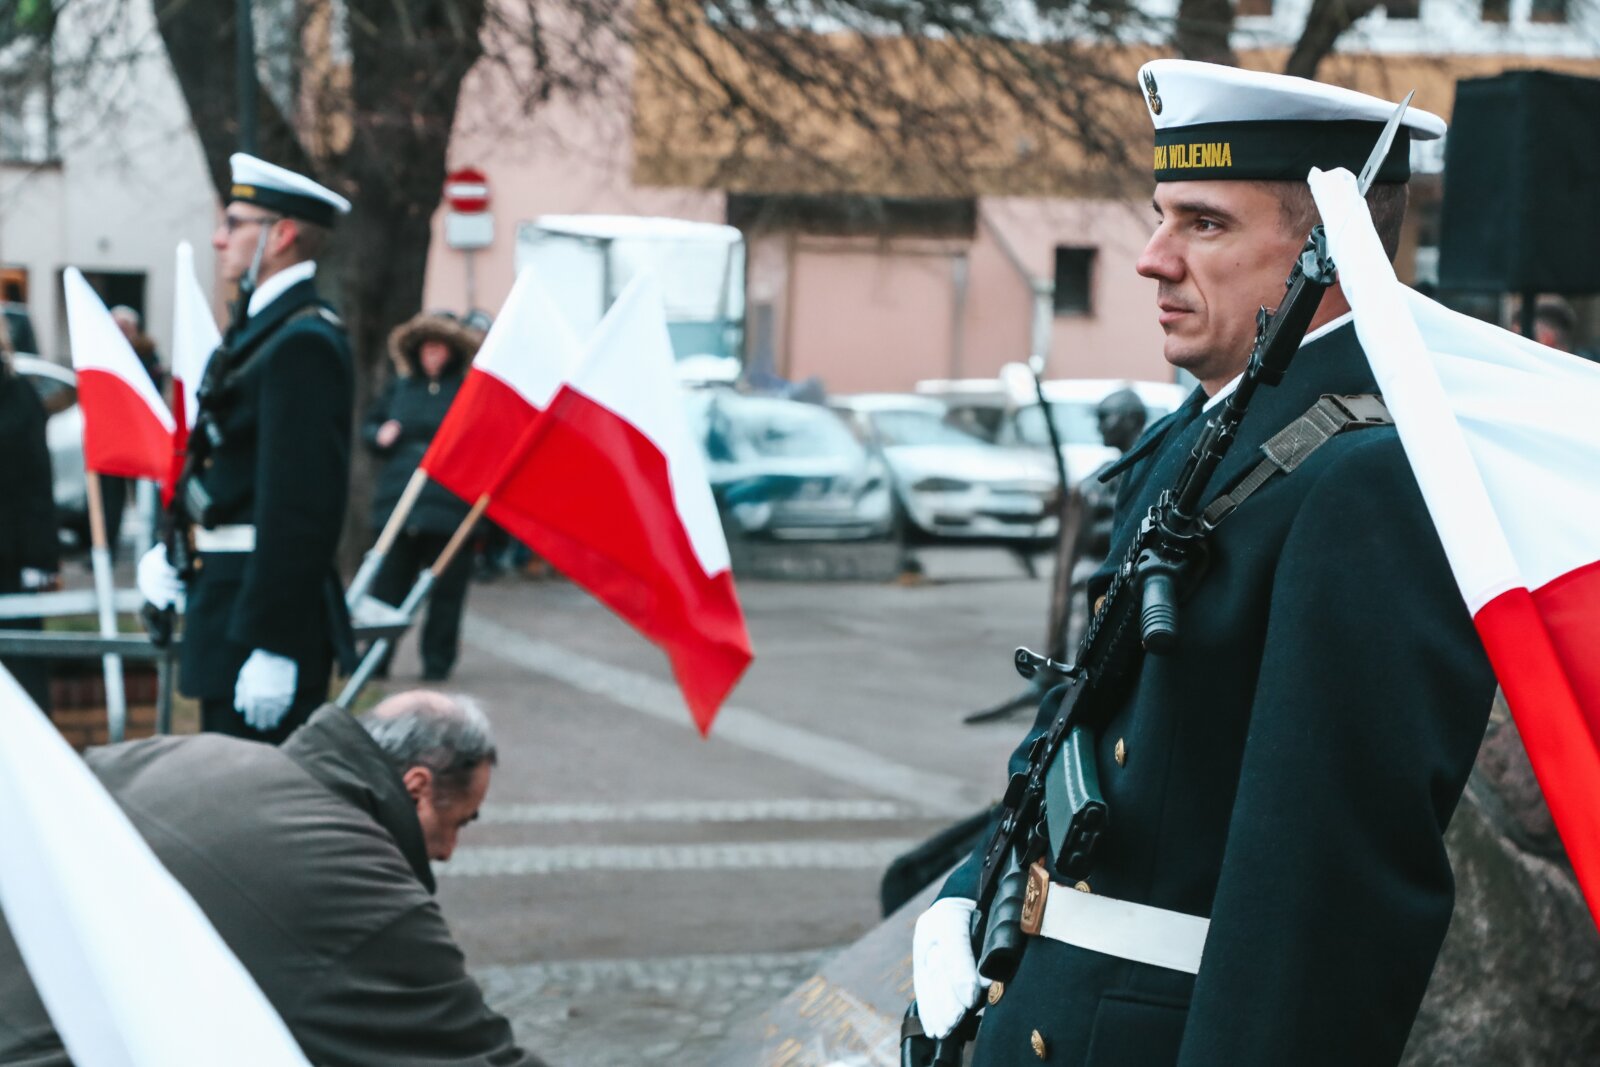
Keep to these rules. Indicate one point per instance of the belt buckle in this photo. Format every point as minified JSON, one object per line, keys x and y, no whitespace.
{"x":1034,"y":897}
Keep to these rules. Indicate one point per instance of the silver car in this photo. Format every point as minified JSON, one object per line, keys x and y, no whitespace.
{"x":57,"y":387}
{"x":788,"y":471}
{"x":949,"y":483}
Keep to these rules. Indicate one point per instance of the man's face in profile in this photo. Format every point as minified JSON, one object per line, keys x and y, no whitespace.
{"x":442,"y":811}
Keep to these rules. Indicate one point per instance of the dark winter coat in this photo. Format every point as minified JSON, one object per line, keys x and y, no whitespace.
{"x":283,"y":465}
{"x":1289,"y":770}
{"x":27,"y":495}
{"x":418,"y":404}
{"x":310,"y":862}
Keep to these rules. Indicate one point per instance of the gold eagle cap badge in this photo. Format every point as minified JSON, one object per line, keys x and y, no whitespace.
{"x":1152,"y":93}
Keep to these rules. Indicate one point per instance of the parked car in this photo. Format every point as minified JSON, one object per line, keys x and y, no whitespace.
{"x":788,"y":471}
{"x":57,"y":387}
{"x":1017,"y":420}
{"x":949,"y":483}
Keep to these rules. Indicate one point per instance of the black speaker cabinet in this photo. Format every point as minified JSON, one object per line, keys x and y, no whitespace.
{"x":1521,"y":206}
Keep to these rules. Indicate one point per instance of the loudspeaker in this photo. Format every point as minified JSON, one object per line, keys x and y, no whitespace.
{"x":1521,"y":208}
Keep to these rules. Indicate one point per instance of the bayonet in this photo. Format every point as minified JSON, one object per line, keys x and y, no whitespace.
{"x":1380,"y":151}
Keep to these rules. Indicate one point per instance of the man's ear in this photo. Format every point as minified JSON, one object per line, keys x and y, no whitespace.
{"x":418,"y":781}
{"x":285,"y":235}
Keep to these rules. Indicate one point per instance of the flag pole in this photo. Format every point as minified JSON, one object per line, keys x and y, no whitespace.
{"x":412,"y":604}
{"x":104,"y":593}
{"x":373,"y":560}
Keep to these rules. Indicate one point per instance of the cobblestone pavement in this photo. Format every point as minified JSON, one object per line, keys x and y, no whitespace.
{"x":634,"y":891}
{"x":612,"y":1013}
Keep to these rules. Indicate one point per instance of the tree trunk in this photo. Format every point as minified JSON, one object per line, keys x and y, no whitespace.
{"x":1324,"y":24}
{"x":391,"y":118}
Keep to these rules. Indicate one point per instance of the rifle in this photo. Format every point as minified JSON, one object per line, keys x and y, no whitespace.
{"x":1054,"y":807}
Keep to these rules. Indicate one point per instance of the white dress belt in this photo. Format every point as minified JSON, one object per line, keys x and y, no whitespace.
{"x":234,"y":538}
{"x":1119,"y":928}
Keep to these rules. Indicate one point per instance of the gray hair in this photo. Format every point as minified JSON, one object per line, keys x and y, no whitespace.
{"x":448,"y":733}
{"x":124,"y":313}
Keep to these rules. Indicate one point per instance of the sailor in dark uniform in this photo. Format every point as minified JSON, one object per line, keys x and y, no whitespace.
{"x":265,"y":486}
{"x":1273,"y":887}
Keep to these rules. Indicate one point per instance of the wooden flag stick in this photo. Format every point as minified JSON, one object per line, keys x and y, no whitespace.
{"x":105,"y":598}
{"x":372,"y":562}
{"x":412,"y":605}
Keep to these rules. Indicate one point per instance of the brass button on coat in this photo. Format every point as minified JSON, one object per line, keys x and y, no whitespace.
{"x":1121,"y":753}
{"x":1040,"y":1049}
{"x":996,"y":991}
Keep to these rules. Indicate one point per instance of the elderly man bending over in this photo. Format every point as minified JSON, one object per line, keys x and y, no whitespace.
{"x":312,"y":862}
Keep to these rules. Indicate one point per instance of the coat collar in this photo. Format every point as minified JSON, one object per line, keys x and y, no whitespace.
{"x":260,"y":323}
{"x":334,"y":749}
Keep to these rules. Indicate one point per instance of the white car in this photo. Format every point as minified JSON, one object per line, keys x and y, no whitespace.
{"x":951,"y":484}
{"x":1010,"y":412}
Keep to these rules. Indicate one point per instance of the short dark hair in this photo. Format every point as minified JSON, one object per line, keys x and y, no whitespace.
{"x":310,"y":239}
{"x":446,"y":733}
{"x":1554,"y":313}
{"x":1386,"y":200}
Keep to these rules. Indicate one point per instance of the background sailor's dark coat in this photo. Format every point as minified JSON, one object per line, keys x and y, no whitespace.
{"x":283,"y":466}
{"x":1290,"y":768}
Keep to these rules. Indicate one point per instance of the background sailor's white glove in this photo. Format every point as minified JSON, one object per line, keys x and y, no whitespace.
{"x":265,"y":689}
{"x":158,"y":579}
{"x":943,"y":972}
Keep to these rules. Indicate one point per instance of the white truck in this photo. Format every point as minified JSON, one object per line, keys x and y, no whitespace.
{"x":585,"y":261}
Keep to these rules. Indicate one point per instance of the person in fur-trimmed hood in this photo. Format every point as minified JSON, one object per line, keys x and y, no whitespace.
{"x":431,"y":353}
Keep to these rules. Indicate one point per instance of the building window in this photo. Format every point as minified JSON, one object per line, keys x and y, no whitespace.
{"x":1253,"y":8}
{"x":1074,"y":280}
{"x":1548,"y":11}
{"x":1403,"y":9}
{"x":1496,"y":10}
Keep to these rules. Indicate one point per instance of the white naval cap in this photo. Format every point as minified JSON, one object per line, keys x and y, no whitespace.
{"x":1218,"y":122}
{"x":255,"y":181}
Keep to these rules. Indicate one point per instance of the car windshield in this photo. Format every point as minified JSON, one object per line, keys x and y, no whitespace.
{"x":921,"y":428}
{"x":1075,"y":422}
{"x":744,"y":429}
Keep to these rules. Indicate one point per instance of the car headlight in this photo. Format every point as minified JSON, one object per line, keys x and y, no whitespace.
{"x":938,"y":484}
{"x":752,"y":516}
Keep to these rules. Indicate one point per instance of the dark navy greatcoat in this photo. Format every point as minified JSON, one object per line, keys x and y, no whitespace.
{"x":283,"y":466}
{"x":1289,"y":769}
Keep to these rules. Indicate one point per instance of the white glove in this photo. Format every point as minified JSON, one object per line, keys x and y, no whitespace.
{"x":265,"y":689}
{"x":158,"y":580}
{"x":943,"y":972}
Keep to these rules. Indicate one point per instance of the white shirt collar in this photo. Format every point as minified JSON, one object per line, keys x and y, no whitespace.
{"x":1321,"y":331}
{"x":279,"y":284}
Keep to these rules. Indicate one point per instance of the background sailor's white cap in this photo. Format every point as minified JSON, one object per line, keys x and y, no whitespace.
{"x":255,"y":181}
{"x":1213,"y":121}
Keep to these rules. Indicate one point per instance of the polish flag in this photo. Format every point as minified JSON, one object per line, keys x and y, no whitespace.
{"x":194,"y":338}
{"x":610,"y":487}
{"x":127,"y":429}
{"x":1503,"y":436}
{"x":529,"y":352}
{"x":131,"y":971}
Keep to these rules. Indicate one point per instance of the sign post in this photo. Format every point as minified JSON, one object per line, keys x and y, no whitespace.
{"x":468,"y":226}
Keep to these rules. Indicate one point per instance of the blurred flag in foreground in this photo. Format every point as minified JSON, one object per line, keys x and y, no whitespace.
{"x":127,"y":429}
{"x":129,"y":968}
{"x":529,"y":352}
{"x":1504,"y":439}
{"x":610,"y":487}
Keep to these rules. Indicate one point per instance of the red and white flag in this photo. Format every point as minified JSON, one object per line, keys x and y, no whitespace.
{"x":194,"y":338}
{"x":529,"y":352}
{"x":127,"y":429}
{"x":610,"y":487}
{"x":1504,"y":439}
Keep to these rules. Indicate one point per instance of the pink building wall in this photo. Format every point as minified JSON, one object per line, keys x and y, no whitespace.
{"x":860,"y":313}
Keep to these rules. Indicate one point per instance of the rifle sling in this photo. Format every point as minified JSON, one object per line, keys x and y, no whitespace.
{"x":1291,"y":446}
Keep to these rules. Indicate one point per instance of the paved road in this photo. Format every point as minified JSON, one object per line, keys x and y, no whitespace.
{"x":634,"y":889}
